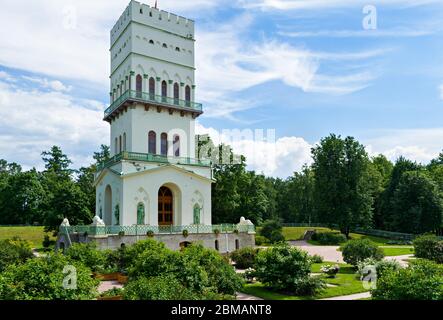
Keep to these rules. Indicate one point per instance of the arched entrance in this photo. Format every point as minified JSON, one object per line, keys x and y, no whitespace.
{"x":165,"y":207}
{"x":108,"y":206}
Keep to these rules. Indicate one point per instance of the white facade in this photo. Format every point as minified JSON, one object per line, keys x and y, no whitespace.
{"x":153,"y":181}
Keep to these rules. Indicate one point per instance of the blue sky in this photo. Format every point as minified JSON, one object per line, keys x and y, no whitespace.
{"x":305,"y":68}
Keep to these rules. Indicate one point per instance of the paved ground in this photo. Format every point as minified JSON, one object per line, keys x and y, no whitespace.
{"x":244,"y":296}
{"x":108,"y":285}
{"x":401,"y":259}
{"x":356,"y":296}
{"x":329,"y":253}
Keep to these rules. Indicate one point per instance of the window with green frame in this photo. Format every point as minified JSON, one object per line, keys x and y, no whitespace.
{"x":197,"y":213}
{"x":140,"y":214}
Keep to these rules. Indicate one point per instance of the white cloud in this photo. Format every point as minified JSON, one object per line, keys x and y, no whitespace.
{"x":358,"y":33}
{"x":32,"y":120}
{"x":55,"y":85}
{"x":421,"y":145}
{"x":325,"y":4}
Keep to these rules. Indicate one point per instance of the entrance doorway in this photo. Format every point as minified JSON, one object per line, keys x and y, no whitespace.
{"x":165,"y":205}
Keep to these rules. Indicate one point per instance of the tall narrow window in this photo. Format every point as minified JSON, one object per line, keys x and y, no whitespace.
{"x":216,"y":245}
{"x":138,"y":85}
{"x":188,"y":95}
{"x":151,"y":88}
{"x":141,"y":214}
{"x":164,"y":90}
{"x":120,"y":143}
{"x":164,"y":144}
{"x":124,"y":141}
{"x":176,"y":93}
{"x":176,"y":146}
{"x":152,"y":145}
{"x":197,"y":214}
{"x":116,"y":146}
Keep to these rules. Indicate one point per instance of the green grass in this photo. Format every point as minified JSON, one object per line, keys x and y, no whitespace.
{"x":397,"y":251}
{"x":346,"y":282}
{"x":35,"y":235}
{"x":296,"y":233}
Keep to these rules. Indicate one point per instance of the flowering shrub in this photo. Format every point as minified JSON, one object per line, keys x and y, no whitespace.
{"x":330,"y":270}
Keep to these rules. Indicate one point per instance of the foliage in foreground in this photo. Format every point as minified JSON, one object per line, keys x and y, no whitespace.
{"x":100,"y":261}
{"x":14,"y":251}
{"x":286,"y":268}
{"x":244,"y":258}
{"x":421,"y":280}
{"x":43,"y":279}
{"x":358,"y":250}
{"x":272,"y":230}
{"x":203,"y":272}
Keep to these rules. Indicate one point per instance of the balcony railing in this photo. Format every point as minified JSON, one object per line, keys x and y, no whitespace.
{"x":140,"y":230}
{"x":155,"y":99}
{"x":146,"y":157}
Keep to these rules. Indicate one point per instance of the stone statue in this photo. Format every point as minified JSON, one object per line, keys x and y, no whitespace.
{"x":65,"y":222}
{"x":97,"y":221}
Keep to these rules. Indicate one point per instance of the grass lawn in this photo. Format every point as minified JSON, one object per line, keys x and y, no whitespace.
{"x":346,"y":282}
{"x":397,"y":251}
{"x":296,"y":233}
{"x":35,"y":235}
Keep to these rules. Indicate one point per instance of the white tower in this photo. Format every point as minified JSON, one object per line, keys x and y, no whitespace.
{"x":152,"y":178}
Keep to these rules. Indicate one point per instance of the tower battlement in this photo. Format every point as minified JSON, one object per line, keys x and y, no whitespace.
{"x":158,"y":19}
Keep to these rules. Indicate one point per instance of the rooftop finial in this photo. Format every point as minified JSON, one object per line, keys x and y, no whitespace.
{"x":155,"y":4}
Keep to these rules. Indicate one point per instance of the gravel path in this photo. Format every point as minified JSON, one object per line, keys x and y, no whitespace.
{"x":108,"y":285}
{"x":247,"y":297}
{"x":329,"y":253}
{"x":356,"y":296}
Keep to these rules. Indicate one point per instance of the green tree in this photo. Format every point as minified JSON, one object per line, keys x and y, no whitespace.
{"x":342,"y":194}
{"x":417,"y":205}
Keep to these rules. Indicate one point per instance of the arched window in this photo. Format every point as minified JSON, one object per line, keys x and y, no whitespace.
{"x":164,"y":144}
{"x":176,"y":93}
{"x":138,"y":85}
{"x":141,"y":214}
{"x":151,"y":88}
{"x":120,"y":144}
{"x":197,"y":212}
{"x":116,"y":146}
{"x":152,"y":144}
{"x":151,"y":41}
{"x":217,"y":246}
{"x":176,"y":145}
{"x":165,"y":45}
{"x":188,"y":95}
{"x":237,"y":244}
{"x":124,"y":141}
{"x":164,"y":90}
{"x":177,"y":49}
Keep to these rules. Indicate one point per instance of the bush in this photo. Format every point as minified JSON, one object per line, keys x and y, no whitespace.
{"x":429,"y":247}
{"x":330,"y":270}
{"x":164,"y":287}
{"x":199,"y":269}
{"x":272,"y":230}
{"x":260,"y":240}
{"x":112,"y":292}
{"x":47,"y":242}
{"x":286,"y":268}
{"x":329,"y":238}
{"x":381,"y":267}
{"x":244,"y":258}
{"x":89,"y":255}
{"x":14,"y":251}
{"x":422,"y":280}
{"x":358,"y":250}
{"x":43,"y":279}
{"x":316,"y":258}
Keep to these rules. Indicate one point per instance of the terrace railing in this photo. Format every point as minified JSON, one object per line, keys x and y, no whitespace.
{"x":145,"y":157}
{"x":154,"y":99}
{"x":139,"y":230}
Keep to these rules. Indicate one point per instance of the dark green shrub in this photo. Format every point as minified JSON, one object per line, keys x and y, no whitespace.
{"x":272,"y":230}
{"x":329,"y":238}
{"x":421,"y":280}
{"x":429,"y":247}
{"x":88,"y":255}
{"x":164,"y":287}
{"x":112,"y":292}
{"x":355,"y":251}
{"x":14,"y":251}
{"x":286,"y":268}
{"x":43,"y":279}
{"x":316,"y":258}
{"x":260,"y":240}
{"x":244,"y":258}
{"x":47,"y":242}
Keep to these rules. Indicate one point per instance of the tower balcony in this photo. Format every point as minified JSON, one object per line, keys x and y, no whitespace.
{"x":151,"y":100}
{"x":154,"y":158}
